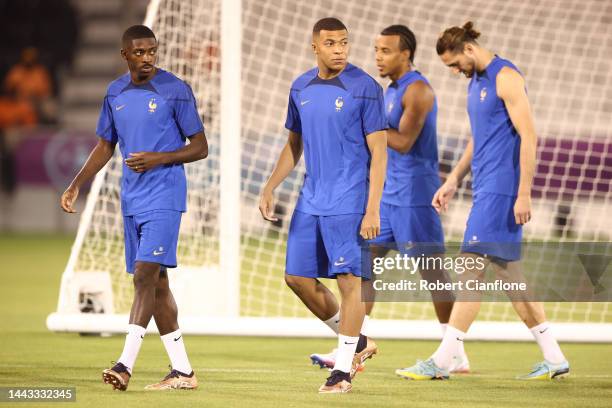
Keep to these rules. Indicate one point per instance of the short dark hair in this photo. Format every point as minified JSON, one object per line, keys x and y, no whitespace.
{"x":136,"y":32}
{"x":328,"y":24}
{"x":453,"y":39}
{"x":407,"y":38}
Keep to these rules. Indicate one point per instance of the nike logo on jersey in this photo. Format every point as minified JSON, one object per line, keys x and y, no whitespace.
{"x":542,"y":331}
{"x":346,"y":342}
{"x":304,"y":102}
{"x":119,"y":107}
{"x":177,"y":339}
{"x":458,"y":339}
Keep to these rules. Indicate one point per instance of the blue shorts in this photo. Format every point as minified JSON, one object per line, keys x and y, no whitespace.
{"x":491,"y":229}
{"x":151,"y":236}
{"x":412,"y":230}
{"x":323,"y":246}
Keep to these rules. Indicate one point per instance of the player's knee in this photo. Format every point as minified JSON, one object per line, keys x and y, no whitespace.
{"x":142,"y":281}
{"x":146,"y":276}
{"x":348,"y":284}
{"x":295,"y":283}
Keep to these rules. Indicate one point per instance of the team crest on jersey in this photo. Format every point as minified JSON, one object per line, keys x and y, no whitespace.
{"x":483,"y":94}
{"x":152,"y":105}
{"x":339,"y":104}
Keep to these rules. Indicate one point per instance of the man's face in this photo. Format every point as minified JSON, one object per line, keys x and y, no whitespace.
{"x":460,"y":62}
{"x":141,"y":56}
{"x":331,"y":48}
{"x":389,"y":58}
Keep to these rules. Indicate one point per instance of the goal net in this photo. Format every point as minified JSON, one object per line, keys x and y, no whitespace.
{"x":562,"y":48}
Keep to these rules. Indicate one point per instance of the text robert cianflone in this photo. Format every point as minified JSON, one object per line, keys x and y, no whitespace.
{"x":471,"y":284}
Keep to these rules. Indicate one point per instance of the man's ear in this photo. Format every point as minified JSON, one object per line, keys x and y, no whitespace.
{"x":124,"y":54}
{"x":468,"y":48}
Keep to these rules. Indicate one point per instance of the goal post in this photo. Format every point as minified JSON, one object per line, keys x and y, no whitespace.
{"x":240,"y":56}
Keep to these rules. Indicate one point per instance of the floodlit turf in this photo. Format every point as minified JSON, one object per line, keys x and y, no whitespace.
{"x":257,"y":372}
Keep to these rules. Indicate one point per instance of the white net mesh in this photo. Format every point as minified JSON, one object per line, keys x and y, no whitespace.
{"x":562,"y":47}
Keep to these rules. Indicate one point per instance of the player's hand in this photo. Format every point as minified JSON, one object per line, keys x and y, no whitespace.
{"x":266,"y":205}
{"x":68,"y":199}
{"x":443,"y":196}
{"x":522,"y":210}
{"x":370,"y":225}
{"x":143,"y":161}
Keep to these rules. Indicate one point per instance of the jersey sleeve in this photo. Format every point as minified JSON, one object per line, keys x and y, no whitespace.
{"x":293,"y":122}
{"x":106,"y":126}
{"x":186,"y":113}
{"x":373,"y":116}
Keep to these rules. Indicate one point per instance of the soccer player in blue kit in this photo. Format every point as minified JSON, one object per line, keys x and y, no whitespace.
{"x":336,"y":118}
{"x":409,"y":223}
{"x":502,"y":156}
{"x":150,"y":113}
{"x":408,"y":220}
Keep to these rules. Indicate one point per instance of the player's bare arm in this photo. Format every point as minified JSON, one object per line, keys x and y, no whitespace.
{"x":289,"y":158}
{"x":196,"y":149}
{"x":511,"y":88}
{"x":99,"y":156}
{"x":417,"y":101}
{"x":446,"y":192}
{"x":377,"y":143}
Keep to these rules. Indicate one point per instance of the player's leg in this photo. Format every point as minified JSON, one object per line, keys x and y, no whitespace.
{"x":486,"y":225}
{"x":418,"y":231}
{"x":366,"y":347}
{"x":352,"y":309}
{"x":181,"y":375}
{"x":119,"y":375}
{"x":340,"y":234}
{"x":159,"y":232}
{"x":451,"y":349}
{"x":555,"y":365}
{"x":317,"y":298}
{"x":145,"y":280}
{"x":306,"y":261}
{"x":481,"y":221}
{"x":443,"y":302}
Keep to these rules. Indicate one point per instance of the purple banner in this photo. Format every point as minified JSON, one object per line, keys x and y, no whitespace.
{"x":52,"y":157}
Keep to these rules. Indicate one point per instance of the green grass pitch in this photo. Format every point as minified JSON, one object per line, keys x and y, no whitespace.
{"x":257,"y":372}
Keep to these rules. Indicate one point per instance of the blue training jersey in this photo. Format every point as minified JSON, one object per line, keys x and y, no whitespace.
{"x":157,"y":116}
{"x":334,"y":117}
{"x":495,"y":164}
{"x":412,"y":178}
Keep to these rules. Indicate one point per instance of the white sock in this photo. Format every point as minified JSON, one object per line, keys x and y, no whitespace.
{"x":443,"y":326}
{"x":365,"y":330}
{"x":133,"y":341}
{"x":334,"y":322}
{"x":346,"y":351}
{"x":173,"y":342}
{"x":451,"y":347}
{"x":547,"y":342}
